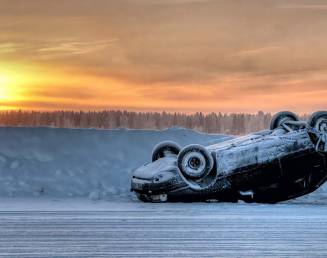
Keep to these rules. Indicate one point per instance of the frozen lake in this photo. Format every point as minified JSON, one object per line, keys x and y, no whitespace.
{"x":83,"y":228}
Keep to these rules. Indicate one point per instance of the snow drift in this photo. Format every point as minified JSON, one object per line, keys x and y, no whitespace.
{"x":79,"y":162}
{"x":83,"y":162}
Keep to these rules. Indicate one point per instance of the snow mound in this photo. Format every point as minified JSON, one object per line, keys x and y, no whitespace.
{"x":79,"y":162}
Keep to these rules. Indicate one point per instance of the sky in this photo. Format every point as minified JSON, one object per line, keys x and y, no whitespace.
{"x":155,"y":55}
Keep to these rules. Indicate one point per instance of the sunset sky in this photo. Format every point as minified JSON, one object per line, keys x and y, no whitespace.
{"x":154,"y":55}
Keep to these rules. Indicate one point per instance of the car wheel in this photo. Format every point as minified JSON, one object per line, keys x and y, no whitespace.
{"x":318,"y":120}
{"x":195,"y":161}
{"x":282,"y":117}
{"x":164,"y":149}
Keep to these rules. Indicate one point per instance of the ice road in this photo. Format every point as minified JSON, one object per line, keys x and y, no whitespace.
{"x":83,"y":228}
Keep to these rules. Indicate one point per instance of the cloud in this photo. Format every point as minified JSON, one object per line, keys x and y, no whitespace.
{"x":8,"y":47}
{"x":63,"y":49}
{"x":318,"y":7}
{"x":166,"y":51}
{"x":55,"y":49}
{"x":259,"y":51}
{"x":167,"y":41}
{"x":61,"y":91}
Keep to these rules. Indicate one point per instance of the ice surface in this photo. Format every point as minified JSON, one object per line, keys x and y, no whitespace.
{"x":97,"y":164}
{"x":81,"y":228}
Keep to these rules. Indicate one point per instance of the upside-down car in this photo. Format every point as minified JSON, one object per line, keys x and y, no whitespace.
{"x":285,"y":162}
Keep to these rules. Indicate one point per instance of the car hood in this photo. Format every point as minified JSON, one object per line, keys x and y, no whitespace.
{"x":150,"y":170}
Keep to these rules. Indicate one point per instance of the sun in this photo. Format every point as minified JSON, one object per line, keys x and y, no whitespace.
{"x":6,"y":89}
{"x":10,"y":90}
{"x":11,"y":84}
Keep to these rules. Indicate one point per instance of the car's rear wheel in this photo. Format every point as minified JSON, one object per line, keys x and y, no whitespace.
{"x":195,"y":161}
{"x":164,"y":149}
{"x":318,"y":120}
{"x":282,"y":117}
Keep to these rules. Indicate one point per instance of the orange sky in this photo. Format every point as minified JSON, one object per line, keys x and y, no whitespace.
{"x":174,"y":55}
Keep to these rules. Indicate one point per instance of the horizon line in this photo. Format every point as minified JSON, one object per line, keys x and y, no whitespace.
{"x":143,"y":111}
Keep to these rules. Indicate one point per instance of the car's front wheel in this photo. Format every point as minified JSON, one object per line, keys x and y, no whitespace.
{"x":195,"y":161}
{"x":164,"y":149}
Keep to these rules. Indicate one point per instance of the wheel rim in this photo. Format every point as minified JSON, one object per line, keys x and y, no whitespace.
{"x":194,"y":164}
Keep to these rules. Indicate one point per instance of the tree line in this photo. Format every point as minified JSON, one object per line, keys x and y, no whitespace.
{"x":237,"y":124}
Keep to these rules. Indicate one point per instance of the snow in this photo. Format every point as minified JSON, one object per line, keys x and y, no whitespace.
{"x":79,"y":162}
{"x":41,"y":167}
{"x":97,"y":164}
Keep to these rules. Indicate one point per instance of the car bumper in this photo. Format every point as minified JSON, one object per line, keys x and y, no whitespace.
{"x":146,"y":186}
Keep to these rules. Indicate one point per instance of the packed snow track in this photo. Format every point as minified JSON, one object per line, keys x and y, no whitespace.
{"x":70,"y":228}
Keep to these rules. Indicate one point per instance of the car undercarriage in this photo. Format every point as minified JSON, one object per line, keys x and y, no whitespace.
{"x":281,"y":163}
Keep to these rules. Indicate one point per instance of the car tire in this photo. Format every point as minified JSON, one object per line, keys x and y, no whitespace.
{"x":195,"y":161}
{"x":282,"y":117}
{"x":318,"y":120}
{"x":165,"y":148}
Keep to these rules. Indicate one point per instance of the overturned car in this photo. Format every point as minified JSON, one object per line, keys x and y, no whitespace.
{"x":270,"y":166}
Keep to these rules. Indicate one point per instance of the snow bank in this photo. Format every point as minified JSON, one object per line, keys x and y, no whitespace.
{"x":86,"y":163}
{"x":79,"y":162}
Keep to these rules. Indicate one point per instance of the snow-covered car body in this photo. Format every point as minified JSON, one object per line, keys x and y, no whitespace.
{"x":282,"y":163}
